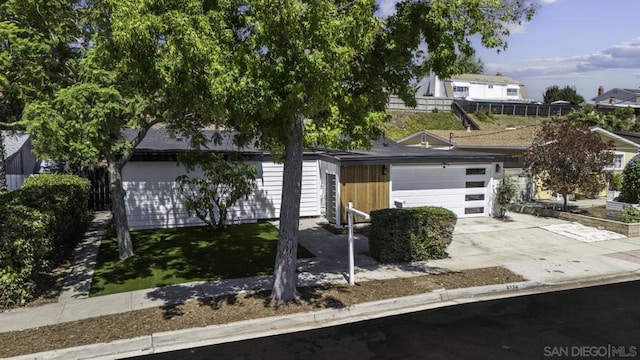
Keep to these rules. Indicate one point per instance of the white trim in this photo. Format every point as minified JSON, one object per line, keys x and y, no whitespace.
{"x":617,"y":137}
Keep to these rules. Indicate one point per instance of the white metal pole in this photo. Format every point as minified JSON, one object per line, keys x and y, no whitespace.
{"x":350,"y":219}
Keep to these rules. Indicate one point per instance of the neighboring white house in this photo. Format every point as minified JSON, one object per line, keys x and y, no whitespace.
{"x":387,"y":175}
{"x":475,"y":87}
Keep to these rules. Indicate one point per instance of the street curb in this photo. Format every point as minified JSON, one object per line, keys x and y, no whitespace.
{"x":217,"y":334}
{"x":242,"y":330}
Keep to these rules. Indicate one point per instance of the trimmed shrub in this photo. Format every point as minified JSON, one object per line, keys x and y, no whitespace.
{"x":65,"y":198}
{"x":630,"y":215}
{"x":25,"y":245}
{"x":505,"y":193}
{"x":410,"y":234}
{"x":630,"y":190}
{"x":40,"y":225}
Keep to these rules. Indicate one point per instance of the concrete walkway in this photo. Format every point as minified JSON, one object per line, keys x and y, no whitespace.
{"x":545,"y":251}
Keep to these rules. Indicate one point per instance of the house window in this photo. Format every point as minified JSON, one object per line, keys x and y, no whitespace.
{"x":490,"y":86}
{"x":474,"y":210}
{"x":512,"y":92}
{"x":460,"y":91}
{"x":618,"y":162}
{"x":474,"y":184}
{"x":423,"y":139}
{"x":476,"y":171}
{"x":474,"y":197}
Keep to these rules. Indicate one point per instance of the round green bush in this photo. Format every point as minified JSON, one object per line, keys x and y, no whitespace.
{"x":630,"y":190}
{"x":410,"y":234}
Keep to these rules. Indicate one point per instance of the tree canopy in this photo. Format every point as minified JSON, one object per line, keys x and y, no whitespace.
{"x":620,"y":119}
{"x":282,"y":74}
{"x":567,"y":93}
{"x":144,"y":63}
{"x":470,"y":64}
{"x":37,"y":56}
{"x":568,"y":156}
{"x":322,"y":70}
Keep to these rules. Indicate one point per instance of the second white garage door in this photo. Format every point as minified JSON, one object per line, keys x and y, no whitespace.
{"x":461,"y":189}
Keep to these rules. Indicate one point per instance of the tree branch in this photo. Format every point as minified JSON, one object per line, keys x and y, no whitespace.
{"x":142,"y":132}
{"x":10,"y":125}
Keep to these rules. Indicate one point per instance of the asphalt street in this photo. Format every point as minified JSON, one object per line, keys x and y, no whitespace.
{"x":595,"y":322}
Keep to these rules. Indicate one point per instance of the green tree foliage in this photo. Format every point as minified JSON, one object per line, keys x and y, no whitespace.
{"x":144,"y":63}
{"x":224,"y":182}
{"x":469,"y":64}
{"x":37,"y":56}
{"x":621,"y":119}
{"x":322,"y":71}
{"x":277,"y":72}
{"x":568,"y":156}
{"x":505,"y":193}
{"x":567,"y":93}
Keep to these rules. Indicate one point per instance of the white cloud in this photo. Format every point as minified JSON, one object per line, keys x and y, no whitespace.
{"x":622,"y":56}
{"x":386,"y":7}
{"x":517,"y":28}
{"x":547,"y":1}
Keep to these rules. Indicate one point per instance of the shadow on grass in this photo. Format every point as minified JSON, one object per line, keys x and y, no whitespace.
{"x":179,"y":255}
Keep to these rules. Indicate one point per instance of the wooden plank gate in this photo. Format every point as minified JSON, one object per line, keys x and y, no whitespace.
{"x":99,"y":197}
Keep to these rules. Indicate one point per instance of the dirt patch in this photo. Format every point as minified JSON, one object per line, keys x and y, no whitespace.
{"x":49,"y":285}
{"x":237,"y":307}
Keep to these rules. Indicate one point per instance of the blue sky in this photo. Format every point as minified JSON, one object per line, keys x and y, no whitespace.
{"x":581,"y":43}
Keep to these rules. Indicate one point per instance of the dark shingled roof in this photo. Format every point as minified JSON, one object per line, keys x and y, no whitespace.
{"x":159,"y":145}
{"x":159,"y":140}
{"x":631,"y":136}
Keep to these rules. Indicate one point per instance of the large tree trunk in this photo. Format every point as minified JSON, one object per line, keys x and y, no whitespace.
{"x":119,"y":210}
{"x":3,"y":167}
{"x":565,"y":198}
{"x":284,"y":284}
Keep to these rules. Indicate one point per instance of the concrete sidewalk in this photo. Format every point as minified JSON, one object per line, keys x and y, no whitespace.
{"x":547,"y":252}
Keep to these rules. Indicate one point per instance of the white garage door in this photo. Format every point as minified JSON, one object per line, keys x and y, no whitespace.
{"x":461,"y":189}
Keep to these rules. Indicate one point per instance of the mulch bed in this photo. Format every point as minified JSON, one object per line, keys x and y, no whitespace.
{"x":231,"y":308}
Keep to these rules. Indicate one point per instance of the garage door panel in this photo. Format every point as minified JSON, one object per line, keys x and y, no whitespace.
{"x":418,"y":178}
{"x":445,"y":187}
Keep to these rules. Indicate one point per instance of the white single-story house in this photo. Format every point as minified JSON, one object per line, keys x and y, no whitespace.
{"x":475,"y":87}
{"x":387,"y":175}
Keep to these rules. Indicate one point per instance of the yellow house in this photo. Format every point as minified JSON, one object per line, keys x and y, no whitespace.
{"x":514,"y":141}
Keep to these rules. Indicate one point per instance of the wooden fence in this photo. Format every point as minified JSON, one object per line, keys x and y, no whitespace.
{"x":423,"y":104}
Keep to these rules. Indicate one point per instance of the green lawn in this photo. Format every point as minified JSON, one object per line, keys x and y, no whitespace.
{"x":404,"y":123}
{"x":500,"y":122}
{"x":173,"y":256}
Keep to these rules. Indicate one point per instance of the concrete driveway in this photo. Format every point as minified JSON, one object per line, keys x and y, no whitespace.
{"x":546,"y":250}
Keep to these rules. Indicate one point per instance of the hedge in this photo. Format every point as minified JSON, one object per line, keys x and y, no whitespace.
{"x":25,"y":245}
{"x":410,"y":234}
{"x":40,"y":224}
{"x":65,"y":198}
